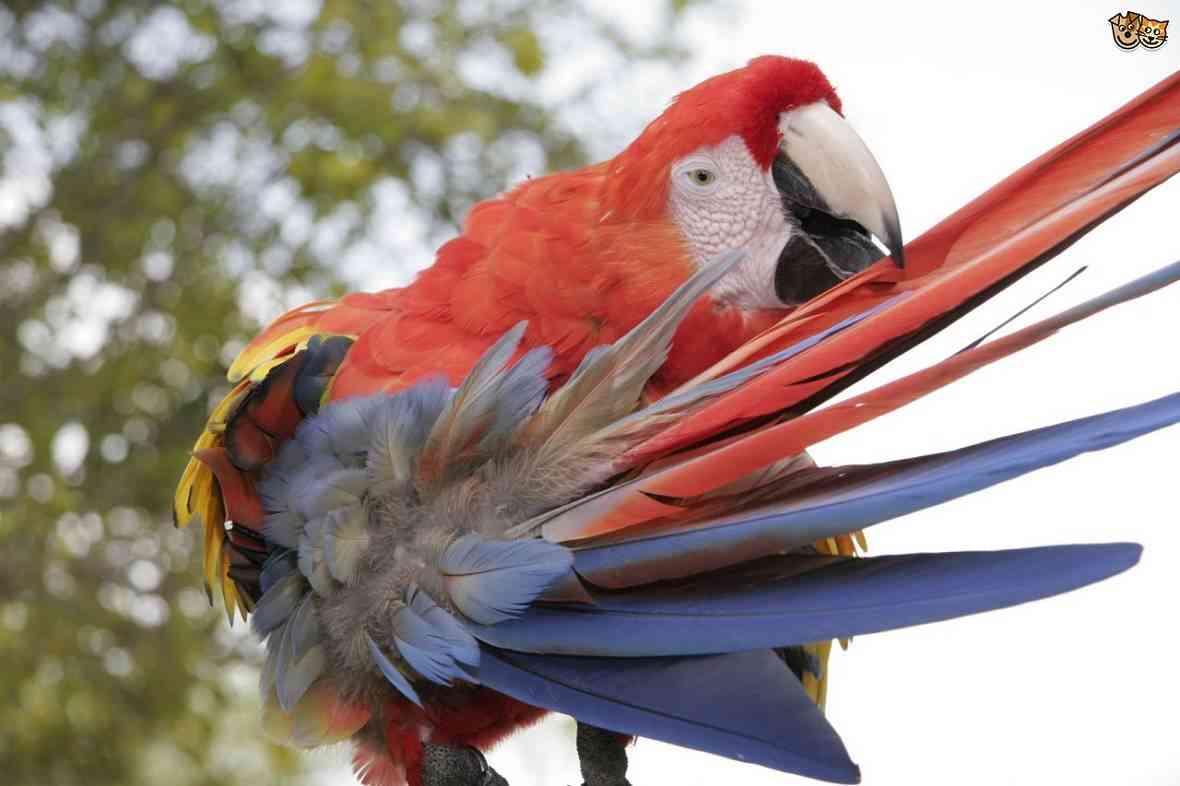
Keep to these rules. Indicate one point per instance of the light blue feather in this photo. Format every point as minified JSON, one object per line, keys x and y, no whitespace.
{"x":295,"y":466}
{"x":299,"y":675}
{"x":266,"y":675}
{"x":432,"y":641}
{"x":521,"y":391}
{"x":296,"y":666}
{"x":391,"y":672}
{"x":305,"y":627}
{"x":275,"y":485}
{"x":282,"y":529}
{"x":346,"y":538}
{"x":280,"y":563}
{"x":325,"y":493}
{"x":341,"y":429}
{"x":401,"y":423}
{"x":312,"y":563}
{"x":466,"y":414}
{"x":278,"y":603}
{"x":278,"y":648}
{"x":495,"y":580}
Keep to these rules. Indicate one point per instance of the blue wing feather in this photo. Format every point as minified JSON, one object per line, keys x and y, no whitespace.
{"x":432,"y":641}
{"x":791,"y":600}
{"x":495,"y":580}
{"x":392,"y":673}
{"x":853,"y":498}
{"x":746,"y":706}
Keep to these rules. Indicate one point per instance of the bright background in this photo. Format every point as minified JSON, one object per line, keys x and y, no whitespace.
{"x":174,"y":173}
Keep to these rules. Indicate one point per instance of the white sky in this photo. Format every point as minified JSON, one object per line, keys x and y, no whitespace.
{"x":1079,"y":689}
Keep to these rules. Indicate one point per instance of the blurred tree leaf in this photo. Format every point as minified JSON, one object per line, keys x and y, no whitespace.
{"x":526,"y":49}
{"x":171,"y":174}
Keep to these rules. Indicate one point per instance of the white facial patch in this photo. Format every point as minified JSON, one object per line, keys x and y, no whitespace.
{"x":721,"y":200}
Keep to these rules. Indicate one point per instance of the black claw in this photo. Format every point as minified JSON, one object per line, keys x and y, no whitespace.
{"x":603,"y":756}
{"x":799,"y":660}
{"x":444,"y":765}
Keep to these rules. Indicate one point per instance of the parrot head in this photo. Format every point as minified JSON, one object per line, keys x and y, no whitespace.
{"x":760,"y":160}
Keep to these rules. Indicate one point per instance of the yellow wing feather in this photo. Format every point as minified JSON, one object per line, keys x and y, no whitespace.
{"x":197,"y":494}
{"x":817,"y":688}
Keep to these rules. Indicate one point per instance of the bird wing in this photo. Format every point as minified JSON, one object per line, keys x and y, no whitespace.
{"x":1016,"y":226}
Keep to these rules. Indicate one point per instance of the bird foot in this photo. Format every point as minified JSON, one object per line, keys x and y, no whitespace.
{"x":603,"y":756}
{"x":444,"y":765}
{"x":800,"y":661}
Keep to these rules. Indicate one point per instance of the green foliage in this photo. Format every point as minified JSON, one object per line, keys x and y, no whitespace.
{"x":171,"y":174}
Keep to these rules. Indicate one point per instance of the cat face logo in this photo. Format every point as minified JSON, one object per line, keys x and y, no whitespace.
{"x":1132,"y":29}
{"x":1152,"y":34}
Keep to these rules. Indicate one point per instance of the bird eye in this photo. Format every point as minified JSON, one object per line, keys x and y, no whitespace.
{"x":701,"y":177}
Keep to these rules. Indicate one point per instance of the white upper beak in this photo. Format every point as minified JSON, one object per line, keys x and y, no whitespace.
{"x":842,"y":171}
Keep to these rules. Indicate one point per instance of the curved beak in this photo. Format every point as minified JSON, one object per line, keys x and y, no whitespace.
{"x":844,"y":177}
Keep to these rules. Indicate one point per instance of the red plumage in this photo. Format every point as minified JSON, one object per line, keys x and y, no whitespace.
{"x":584,"y":256}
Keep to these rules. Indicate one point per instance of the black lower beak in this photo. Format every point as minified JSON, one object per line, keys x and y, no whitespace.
{"x":818,"y":258}
{"x":825,"y":249}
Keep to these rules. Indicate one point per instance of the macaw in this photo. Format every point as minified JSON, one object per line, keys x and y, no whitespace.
{"x":566,"y":468}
